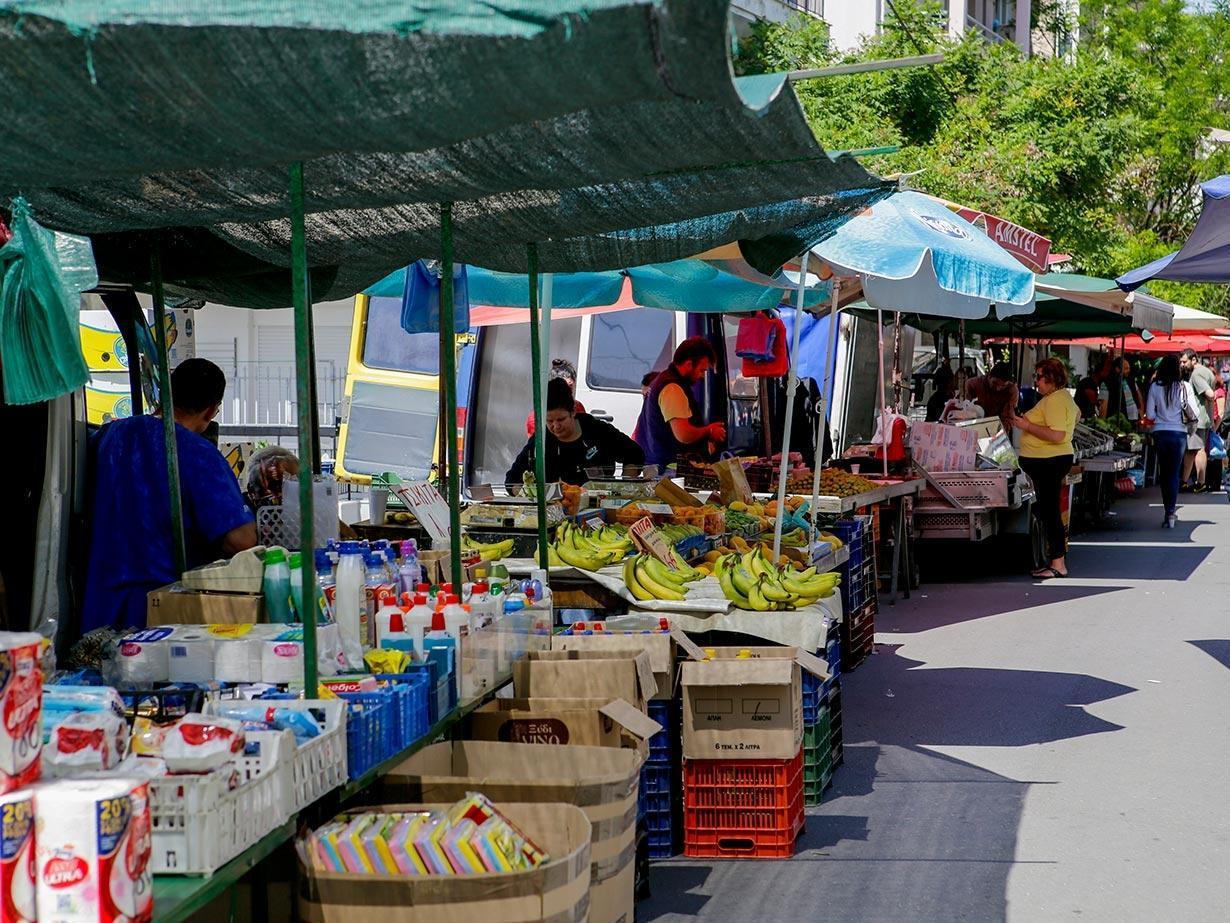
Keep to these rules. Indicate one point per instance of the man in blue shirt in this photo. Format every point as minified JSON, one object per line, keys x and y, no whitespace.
{"x":131,"y":546}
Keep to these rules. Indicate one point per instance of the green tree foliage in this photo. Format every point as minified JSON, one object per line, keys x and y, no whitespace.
{"x":1102,"y":149}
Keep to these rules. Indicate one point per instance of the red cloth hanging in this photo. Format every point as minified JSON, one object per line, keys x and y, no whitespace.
{"x":776,"y":362}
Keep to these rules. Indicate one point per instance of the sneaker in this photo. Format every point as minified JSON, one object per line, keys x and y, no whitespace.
{"x":1170,"y":521}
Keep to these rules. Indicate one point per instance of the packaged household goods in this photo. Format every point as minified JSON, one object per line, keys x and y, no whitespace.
{"x":21,"y":696}
{"x":17,"y":857}
{"x":85,"y":741}
{"x":200,"y":743}
{"x":92,"y":851}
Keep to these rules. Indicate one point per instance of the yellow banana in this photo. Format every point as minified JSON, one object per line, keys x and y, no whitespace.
{"x":575,"y":558}
{"x":630,"y":580}
{"x":756,"y":599}
{"x":654,"y":587}
{"x":661,"y":573}
{"x":732,"y":594}
{"x":774,"y":591}
{"x":742,"y":579}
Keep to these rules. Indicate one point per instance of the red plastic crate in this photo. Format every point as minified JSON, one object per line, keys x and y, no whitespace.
{"x":742,"y":808}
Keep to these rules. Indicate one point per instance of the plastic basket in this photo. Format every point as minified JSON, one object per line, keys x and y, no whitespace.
{"x":411,"y":707}
{"x":812,"y":697}
{"x":742,"y":808}
{"x":318,"y":765}
{"x":370,"y":735}
{"x":199,"y":823}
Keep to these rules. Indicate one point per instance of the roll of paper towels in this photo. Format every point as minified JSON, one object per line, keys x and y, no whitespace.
{"x":238,"y":660}
{"x":191,"y":658}
{"x":92,"y":851}
{"x":282,"y":662}
{"x":17,"y":857}
{"x":21,"y":703}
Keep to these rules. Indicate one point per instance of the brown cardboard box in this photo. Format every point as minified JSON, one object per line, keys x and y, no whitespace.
{"x":746,"y":708}
{"x":558,"y":890}
{"x":615,"y":674}
{"x":659,"y":645}
{"x":176,"y":605}
{"x":602,"y":781}
{"x":570,"y":722}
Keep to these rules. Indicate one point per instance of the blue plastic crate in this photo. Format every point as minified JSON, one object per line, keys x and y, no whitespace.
{"x":811,"y":699}
{"x":413,"y":718}
{"x":658,"y":821}
{"x":656,"y":802}
{"x":370,"y":733}
{"x":657,"y":778}
{"x":660,"y":749}
{"x":661,"y":844}
{"x":441,"y":689}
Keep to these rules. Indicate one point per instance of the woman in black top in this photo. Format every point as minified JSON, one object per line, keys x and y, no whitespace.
{"x":575,"y":442}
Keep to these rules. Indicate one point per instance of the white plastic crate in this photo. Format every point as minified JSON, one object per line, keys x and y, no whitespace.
{"x":200,"y":823}
{"x":319,"y":765}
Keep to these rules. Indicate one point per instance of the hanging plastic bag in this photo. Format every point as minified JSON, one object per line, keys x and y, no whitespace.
{"x":42,"y":276}
{"x":1217,"y":446}
{"x":420,"y":299}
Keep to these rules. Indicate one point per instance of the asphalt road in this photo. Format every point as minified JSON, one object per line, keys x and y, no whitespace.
{"x":1022,"y":750}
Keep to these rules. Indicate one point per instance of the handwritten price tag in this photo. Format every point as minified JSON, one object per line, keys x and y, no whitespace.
{"x":429,"y":508}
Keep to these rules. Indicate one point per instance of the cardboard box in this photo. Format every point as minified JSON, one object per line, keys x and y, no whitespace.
{"x":746,"y":708}
{"x":941,"y":447}
{"x":558,"y":890}
{"x":568,"y":722}
{"x":614,"y":674}
{"x":177,"y":605}
{"x":659,"y":645}
{"x":602,"y":781}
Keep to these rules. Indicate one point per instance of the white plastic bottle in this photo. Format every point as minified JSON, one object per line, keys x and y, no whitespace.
{"x":350,"y":602}
{"x":389,"y":621}
{"x":408,"y":571}
{"x":417,"y":622}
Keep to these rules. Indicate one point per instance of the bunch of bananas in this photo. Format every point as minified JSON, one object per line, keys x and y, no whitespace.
{"x":588,"y":550}
{"x":676,"y":533}
{"x":648,"y":578}
{"x":488,"y":551}
{"x":751,"y":582}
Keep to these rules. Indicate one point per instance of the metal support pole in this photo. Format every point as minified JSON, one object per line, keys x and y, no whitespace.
{"x":792,"y":385}
{"x":448,"y":375}
{"x":314,"y":402}
{"x":822,"y":417}
{"x":883,"y":407}
{"x":167,"y":408}
{"x":302,"y":300}
{"x":540,"y":417}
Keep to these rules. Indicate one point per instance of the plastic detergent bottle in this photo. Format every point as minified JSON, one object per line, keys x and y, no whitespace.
{"x":296,"y":585}
{"x":277,"y":587}
{"x":456,"y":619}
{"x":408,"y":571}
{"x":417,"y":622}
{"x":326,"y":585}
{"x":389,"y":621}
{"x":350,"y":605}
{"x":373,"y":585}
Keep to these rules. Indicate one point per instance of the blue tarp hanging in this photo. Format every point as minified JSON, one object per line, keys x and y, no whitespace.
{"x":420,"y":298}
{"x":1205,"y":256}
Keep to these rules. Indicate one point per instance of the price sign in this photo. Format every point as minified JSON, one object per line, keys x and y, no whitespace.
{"x":649,"y":540}
{"x":428,"y":506}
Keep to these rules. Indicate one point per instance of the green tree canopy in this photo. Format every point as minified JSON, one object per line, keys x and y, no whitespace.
{"x":1102,"y":149}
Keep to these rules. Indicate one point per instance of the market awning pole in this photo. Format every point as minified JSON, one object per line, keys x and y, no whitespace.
{"x":540,"y":417}
{"x":822,"y":418}
{"x":302,"y":300}
{"x":167,"y":407}
{"x":792,"y":385}
{"x":448,"y":336}
{"x":883,"y":408}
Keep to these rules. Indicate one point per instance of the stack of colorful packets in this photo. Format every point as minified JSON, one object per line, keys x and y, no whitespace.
{"x":471,"y":837}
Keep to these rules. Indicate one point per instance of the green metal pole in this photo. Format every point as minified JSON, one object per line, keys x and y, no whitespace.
{"x":540,"y":417}
{"x":168,"y":412}
{"x":302,"y":299}
{"x":448,"y":373}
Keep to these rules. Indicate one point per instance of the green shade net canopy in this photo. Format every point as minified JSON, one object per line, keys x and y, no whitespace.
{"x":610,"y":132}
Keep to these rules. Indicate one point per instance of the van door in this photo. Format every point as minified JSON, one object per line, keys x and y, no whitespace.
{"x":392,"y":400}
{"x":617,"y":350}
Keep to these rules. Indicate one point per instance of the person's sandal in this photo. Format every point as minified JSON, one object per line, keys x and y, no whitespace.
{"x":1047,"y":573}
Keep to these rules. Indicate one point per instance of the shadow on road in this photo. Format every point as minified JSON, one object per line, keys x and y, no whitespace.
{"x":905,"y":833}
{"x":946,"y":604}
{"x":1217,"y":648}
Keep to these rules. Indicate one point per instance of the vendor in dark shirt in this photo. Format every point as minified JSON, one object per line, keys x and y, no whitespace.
{"x":575,"y":442}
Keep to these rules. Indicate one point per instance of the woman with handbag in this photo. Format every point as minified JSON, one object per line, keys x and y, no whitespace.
{"x":1046,"y":456}
{"x":1171,"y":414}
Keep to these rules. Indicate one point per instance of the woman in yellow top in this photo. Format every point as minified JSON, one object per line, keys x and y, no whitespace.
{"x":1046,"y":456}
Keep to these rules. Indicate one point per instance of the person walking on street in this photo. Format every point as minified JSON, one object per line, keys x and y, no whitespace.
{"x":1200,"y":377}
{"x":1046,"y":456}
{"x":1170,"y":413}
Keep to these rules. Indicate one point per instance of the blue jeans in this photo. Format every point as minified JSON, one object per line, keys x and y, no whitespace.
{"x":1170,"y":450}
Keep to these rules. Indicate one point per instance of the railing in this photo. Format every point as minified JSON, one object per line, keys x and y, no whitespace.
{"x":814,"y":7}
{"x":984,"y":30}
{"x":263,"y":394}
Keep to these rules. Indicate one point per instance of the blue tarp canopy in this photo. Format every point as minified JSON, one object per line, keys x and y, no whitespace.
{"x":1205,"y":256}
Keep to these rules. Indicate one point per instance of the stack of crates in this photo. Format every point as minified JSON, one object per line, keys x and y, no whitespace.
{"x":831,"y":691}
{"x":859,"y":590}
{"x":660,"y":781}
{"x":817,"y":751}
{"x":742,"y":809}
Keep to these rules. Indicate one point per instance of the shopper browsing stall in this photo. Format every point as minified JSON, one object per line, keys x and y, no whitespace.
{"x":1170,"y":413}
{"x":1046,"y":456}
{"x":669,"y":424}
{"x":995,"y":392}
{"x":131,"y":549}
{"x":576,"y":442}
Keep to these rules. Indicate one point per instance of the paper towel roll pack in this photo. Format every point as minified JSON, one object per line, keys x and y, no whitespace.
{"x":282,"y":662}
{"x":21,"y":698}
{"x":92,"y":851}
{"x":17,"y":857}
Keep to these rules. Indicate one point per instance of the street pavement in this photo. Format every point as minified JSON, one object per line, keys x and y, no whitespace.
{"x":1023,"y":750}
